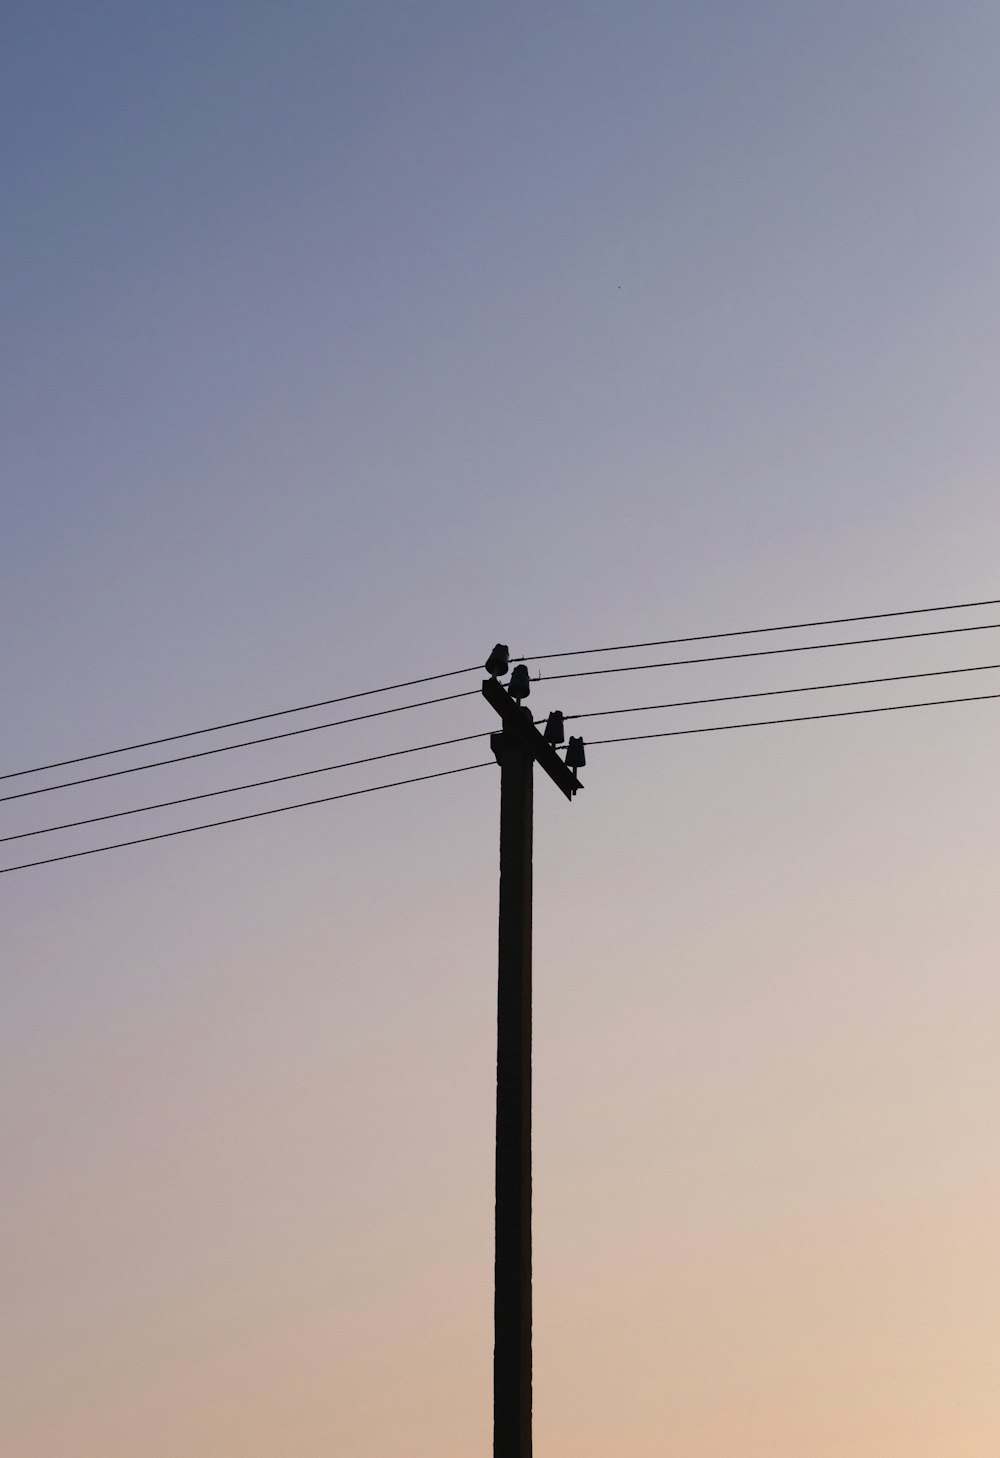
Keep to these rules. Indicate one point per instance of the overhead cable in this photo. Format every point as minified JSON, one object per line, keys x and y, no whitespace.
{"x":947,"y":607}
{"x":134,"y":769}
{"x":466,"y":738}
{"x":456,"y":672}
{"x":484,"y":764}
{"x":233,"y":723}
{"x":253,"y":815}
{"x":765,"y":652}
{"x":251,"y":785}
{"x":794,"y":719}
{"x":811,"y":688}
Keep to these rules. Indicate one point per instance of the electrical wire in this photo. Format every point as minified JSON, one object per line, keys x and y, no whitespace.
{"x":234,"y":723}
{"x":769,"y":693}
{"x":234,"y":789}
{"x":484,"y":764}
{"x":243,"y":744}
{"x":947,"y":607}
{"x":456,"y":672}
{"x":465,"y":738}
{"x":794,"y":719}
{"x":766,"y":652}
{"x":253,"y":815}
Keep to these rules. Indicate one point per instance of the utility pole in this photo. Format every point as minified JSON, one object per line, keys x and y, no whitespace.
{"x":517,"y":747}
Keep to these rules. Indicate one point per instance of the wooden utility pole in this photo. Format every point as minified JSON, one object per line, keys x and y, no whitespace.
{"x":517,"y":747}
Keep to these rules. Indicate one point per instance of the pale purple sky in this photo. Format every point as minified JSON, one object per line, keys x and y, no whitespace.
{"x":340,"y":341}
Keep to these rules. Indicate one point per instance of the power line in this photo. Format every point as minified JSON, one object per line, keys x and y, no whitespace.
{"x":243,"y":744}
{"x":467,"y":693}
{"x":769,"y":693}
{"x":233,"y":724}
{"x":766,"y":652}
{"x":456,"y":672}
{"x":947,"y":607}
{"x":465,"y":738}
{"x":234,"y":789}
{"x":253,"y":815}
{"x":795,"y":719}
{"x":484,"y":764}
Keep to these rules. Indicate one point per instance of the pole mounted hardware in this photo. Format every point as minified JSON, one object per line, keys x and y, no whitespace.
{"x":520,"y":683}
{"x":517,"y":723}
{"x":498,"y":662}
{"x":518,"y":747}
{"x":554,"y":733}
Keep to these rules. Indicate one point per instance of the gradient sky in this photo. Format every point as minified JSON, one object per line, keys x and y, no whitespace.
{"x":340,"y":341}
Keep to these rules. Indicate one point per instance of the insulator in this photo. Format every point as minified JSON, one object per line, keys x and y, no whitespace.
{"x":575,"y":756}
{"x":520,"y":684}
{"x":554,"y":732}
{"x":499,"y":661}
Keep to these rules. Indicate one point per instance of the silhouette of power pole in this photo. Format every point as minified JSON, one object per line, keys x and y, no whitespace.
{"x":517,"y":747}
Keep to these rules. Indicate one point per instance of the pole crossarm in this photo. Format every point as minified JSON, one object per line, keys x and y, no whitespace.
{"x":517,"y":720}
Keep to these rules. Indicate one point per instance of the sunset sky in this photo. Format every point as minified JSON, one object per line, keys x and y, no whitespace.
{"x":340,"y":341}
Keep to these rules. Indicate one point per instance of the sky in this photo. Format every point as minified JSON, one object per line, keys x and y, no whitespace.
{"x":341,"y":341}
